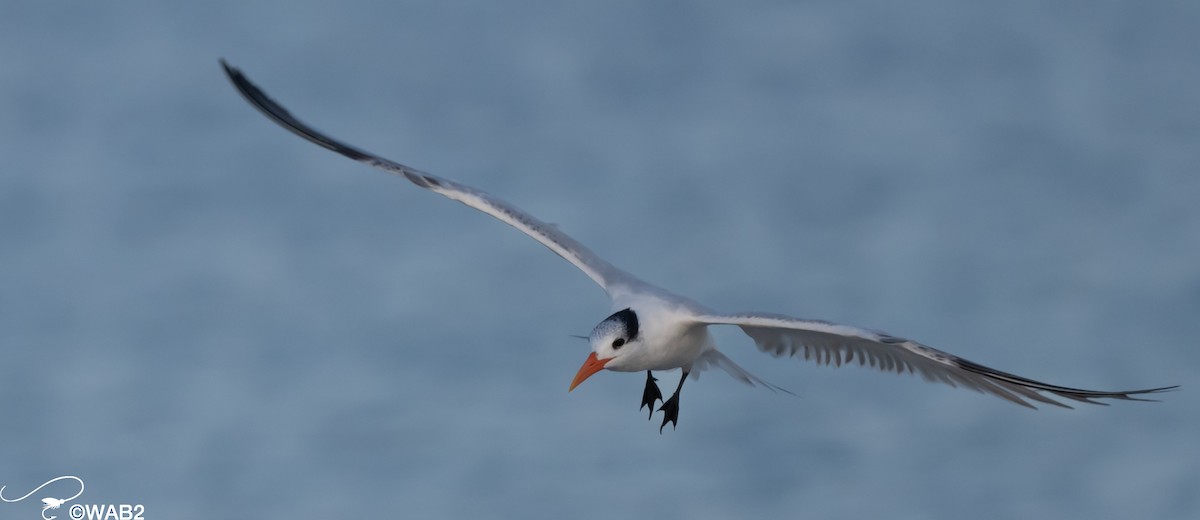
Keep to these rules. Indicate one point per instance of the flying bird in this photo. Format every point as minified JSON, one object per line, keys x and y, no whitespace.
{"x":652,"y":329}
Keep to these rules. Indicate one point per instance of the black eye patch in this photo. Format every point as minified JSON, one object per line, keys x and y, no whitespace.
{"x":629,"y":319}
{"x":617,"y":343}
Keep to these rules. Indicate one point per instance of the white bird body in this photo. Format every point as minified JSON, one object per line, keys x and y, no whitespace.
{"x":670,"y":336}
{"x":653,"y":329}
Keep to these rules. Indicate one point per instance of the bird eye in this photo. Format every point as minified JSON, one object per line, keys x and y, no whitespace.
{"x":618,"y":342}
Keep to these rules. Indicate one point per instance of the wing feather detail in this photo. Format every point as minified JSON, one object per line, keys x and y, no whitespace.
{"x":612,"y":280}
{"x":833,"y":344}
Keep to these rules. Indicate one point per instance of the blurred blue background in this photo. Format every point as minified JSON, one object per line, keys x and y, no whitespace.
{"x":201,"y":313}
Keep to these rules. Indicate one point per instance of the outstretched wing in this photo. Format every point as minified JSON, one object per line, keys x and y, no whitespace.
{"x":830,"y":343}
{"x":614,"y":281}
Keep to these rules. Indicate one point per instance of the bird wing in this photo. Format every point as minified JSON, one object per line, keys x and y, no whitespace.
{"x":615,"y":282}
{"x":830,"y":343}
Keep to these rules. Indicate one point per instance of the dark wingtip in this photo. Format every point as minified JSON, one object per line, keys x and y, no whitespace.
{"x":240,"y":82}
{"x":1126,"y":395}
{"x":274,"y":111}
{"x":1171,"y":388}
{"x":1077,"y":394}
{"x":229,"y":69}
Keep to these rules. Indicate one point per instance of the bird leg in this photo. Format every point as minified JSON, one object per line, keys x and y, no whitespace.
{"x":650,"y":394}
{"x":670,"y":407}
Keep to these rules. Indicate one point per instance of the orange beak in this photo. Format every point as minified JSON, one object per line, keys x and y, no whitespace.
{"x":590,"y":366}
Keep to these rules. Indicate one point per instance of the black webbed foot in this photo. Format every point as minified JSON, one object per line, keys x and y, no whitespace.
{"x":670,"y":407}
{"x":670,"y":410}
{"x":650,"y":394}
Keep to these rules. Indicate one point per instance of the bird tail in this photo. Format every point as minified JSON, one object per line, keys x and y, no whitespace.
{"x":713,"y":358}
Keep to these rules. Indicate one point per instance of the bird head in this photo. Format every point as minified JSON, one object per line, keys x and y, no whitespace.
{"x":613,"y":337}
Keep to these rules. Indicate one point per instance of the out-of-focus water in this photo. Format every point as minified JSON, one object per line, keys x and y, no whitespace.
{"x":203,"y":314}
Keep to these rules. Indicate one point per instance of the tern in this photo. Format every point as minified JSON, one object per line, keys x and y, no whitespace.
{"x":652,"y":329}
